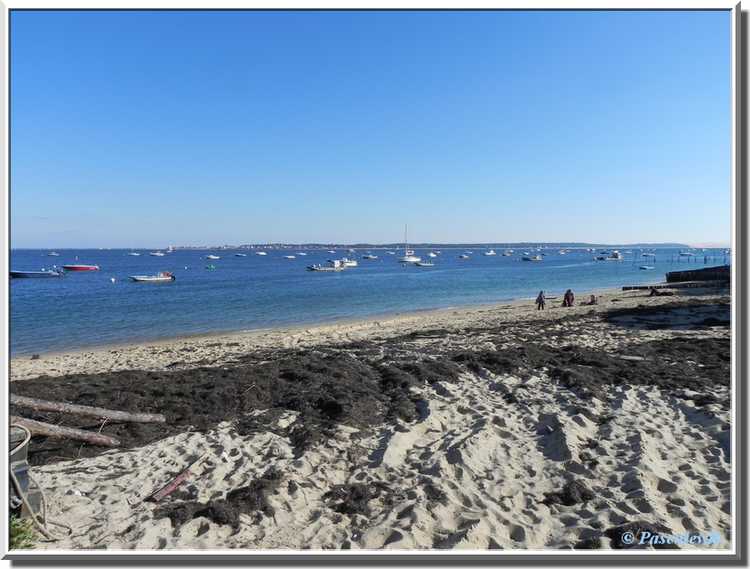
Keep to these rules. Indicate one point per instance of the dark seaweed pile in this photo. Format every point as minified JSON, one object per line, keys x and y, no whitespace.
{"x":366,"y":383}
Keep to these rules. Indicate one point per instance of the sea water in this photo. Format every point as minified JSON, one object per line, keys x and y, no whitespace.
{"x":87,"y":309}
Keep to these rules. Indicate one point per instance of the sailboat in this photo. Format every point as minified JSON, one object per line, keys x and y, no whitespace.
{"x":409,"y":256}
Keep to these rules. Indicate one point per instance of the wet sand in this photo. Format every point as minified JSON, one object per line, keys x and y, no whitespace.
{"x":494,"y":427}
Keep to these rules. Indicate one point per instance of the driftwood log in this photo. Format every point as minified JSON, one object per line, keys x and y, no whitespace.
{"x":109,"y":414}
{"x":59,"y":432}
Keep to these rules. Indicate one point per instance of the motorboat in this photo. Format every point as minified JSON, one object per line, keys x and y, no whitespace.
{"x":43,"y":274}
{"x":213,"y":257}
{"x":53,"y":254}
{"x":332,"y":251}
{"x":532,"y":258}
{"x":464,"y":256}
{"x":81,"y":267}
{"x":432,"y":254}
{"x":134,"y":254}
{"x":261,"y":253}
{"x":162,"y":277}
{"x":302,"y":254}
{"x":614,"y":256}
{"x":349,"y":262}
{"x":240,"y":255}
{"x":424,"y":264}
{"x":686,"y":254}
{"x":370,"y":257}
{"x":646,"y":268}
{"x":507,"y":253}
{"x":333,"y":266}
{"x":156,"y":254}
{"x":290,"y":256}
{"x":490,"y":253}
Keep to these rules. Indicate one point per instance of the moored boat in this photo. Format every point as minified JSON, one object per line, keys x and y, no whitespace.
{"x":162,"y":277}
{"x":81,"y":267}
{"x":424,"y":264}
{"x":532,"y":258}
{"x":213,"y":257}
{"x":43,"y":274}
{"x":490,"y":253}
{"x":333,"y":266}
{"x":349,"y":262}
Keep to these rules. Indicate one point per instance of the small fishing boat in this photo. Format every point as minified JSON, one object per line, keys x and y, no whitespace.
{"x":424,"y":264}
{"x":213,"y":257}
{"x":432,"y":254}
{"x":163,"y":277}
{"x":81,"y":267}
{"x":615,"y":256}
{"x":349,"y":262}
{"x":134,"y":254}
{"x":646,"y":268}
{"x":371,"y":257}
{"x":331,"y":251}
{"x":240,"y":255}
{"x":391,"y":252}
{"x":333,"y":266}
{"x":507,"y":253}
{"x":261,"y":253}
{"x":464,"y":256}
{"x":531,"y":258}
{"x":53,"y":254}
{"x":302,"y":254}
{"x":43,"y":274}
{"x":156,"y":254}
{"x":290,"y":257}
{"x":490,"y":253}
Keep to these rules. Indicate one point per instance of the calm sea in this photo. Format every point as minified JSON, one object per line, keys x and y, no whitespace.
{"x":243,"y":293}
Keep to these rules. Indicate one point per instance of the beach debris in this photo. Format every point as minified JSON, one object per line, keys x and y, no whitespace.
{"x":250,"y":499}
{"x":172,"y":485}
{"x":60,"y":432}
{"x":98,"y":412}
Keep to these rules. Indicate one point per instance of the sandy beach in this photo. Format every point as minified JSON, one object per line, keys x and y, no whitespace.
{"x":496,"y":427}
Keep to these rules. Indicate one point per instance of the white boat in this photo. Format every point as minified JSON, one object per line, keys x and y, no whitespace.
{"x":648,"y":255}
{"x":290,"y":257}
{"x":464,"y":256}
{"x":507,"y":253}
{"x":391,"y":252}
{"x":352,"y":251}
{"x":424,"y":264}
{"x":261,"y":253}
{"x":331,"y":251}
{"x":490,"y":253}
{"x":163,"y":277}
{"x":156,"y":254}
{"x":432,"y":254}
{"x":213,"y":257}
{"x":532,"y":258}
{"x":134,"y":254}
{"x":615,"y":256}
{"x":562,"y":252}
{"x":371,"y":257}
{"x":646,"y":268}
{"x":302,"y":254}
{"x":686,"y":254}
{"x":409,"y":256}
{"x":53,"y":254}
{"x":333,"y":266}
{"x":240,"y":255}
{"x":349,"y":262}
{"x":170,"y":249}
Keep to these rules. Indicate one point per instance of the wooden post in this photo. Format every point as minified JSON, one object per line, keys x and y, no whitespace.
{"x":98,"y":412}
{"x":59,"y":432}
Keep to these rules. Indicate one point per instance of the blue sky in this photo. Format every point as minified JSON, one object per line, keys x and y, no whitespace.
{"x":140,"y":129}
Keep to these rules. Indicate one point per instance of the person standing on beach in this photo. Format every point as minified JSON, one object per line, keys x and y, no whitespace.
{"x":540,"y":300}
{"x":568,"y":298}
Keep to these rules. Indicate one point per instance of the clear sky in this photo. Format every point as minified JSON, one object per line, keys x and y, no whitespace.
{"x":141,"y":129}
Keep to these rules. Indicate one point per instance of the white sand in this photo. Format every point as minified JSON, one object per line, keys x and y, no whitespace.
{"x":658,"y":458}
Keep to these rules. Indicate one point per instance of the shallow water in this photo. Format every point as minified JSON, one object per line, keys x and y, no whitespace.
{"x":244,"y":293}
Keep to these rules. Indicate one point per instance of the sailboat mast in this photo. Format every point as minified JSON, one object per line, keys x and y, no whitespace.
{"x":406,"y":240}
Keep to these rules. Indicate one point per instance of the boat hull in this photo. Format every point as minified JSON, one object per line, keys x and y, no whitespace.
{"x":80,"y":268}
{"x":34,"y":274}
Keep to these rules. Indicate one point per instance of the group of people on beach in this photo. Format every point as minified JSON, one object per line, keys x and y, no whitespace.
{"x":568,"y":299}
